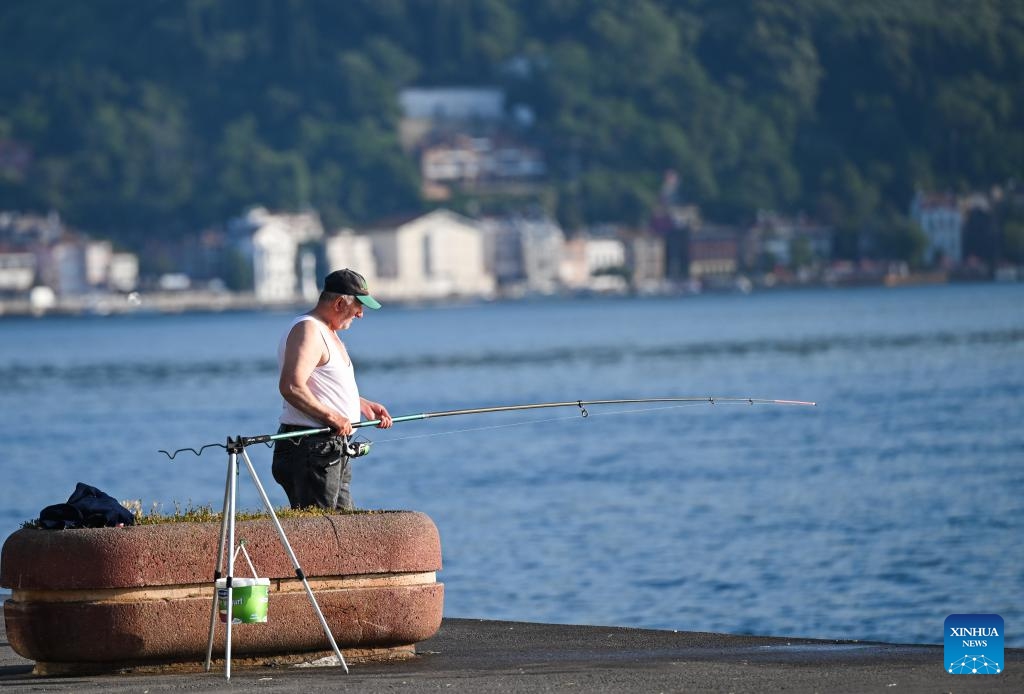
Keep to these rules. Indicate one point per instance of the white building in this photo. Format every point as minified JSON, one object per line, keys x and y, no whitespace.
{"x":105,"y":269}
{"x":17,"y":271}
{"x":588,"y":260}
{"x":776,"y":236}
{"x":273,"y":242}
{"x":464,"y":158}
{"x":572,"y":270}
{"x":62,"y":267}
{"x":97,"y":262}
{"x":440,"y":254}
{"x":942,"y":221}
{"x":425,"y":109}
{"x":123,"y":272}
{"x":453,"y":103}
{"x":604,"y":254}
{"x":274,"y":259}
{"x":645,"y":256}
{"x":24,"y":230}
{"x":524,"y":253}
{"x":351,"y":250}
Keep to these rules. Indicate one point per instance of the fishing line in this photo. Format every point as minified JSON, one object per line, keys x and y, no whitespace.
{"x":539,"y":421}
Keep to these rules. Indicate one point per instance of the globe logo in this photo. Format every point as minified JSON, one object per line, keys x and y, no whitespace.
{"x":973,"y":644}
{"x":974,"y":665}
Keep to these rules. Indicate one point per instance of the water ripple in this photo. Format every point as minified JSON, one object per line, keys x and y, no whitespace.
{"x":20,"y":375}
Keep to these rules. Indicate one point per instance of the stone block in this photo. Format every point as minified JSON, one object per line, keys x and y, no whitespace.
{"x":110,"y":598}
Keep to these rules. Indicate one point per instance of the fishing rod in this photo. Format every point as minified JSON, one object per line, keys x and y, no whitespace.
{"x":356,"y":449}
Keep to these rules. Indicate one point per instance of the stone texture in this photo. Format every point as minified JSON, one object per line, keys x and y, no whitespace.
{"x":170,"y":631}
{"x":76,"y":596}
{"x":185,"y":553}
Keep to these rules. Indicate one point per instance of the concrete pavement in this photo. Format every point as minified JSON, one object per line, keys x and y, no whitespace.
{"x":488,"y":656}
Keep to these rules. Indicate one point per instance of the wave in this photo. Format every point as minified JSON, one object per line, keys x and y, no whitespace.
{"x":110,"y":373}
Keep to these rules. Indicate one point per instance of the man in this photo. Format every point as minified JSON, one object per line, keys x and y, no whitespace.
{"x":319,"y":389}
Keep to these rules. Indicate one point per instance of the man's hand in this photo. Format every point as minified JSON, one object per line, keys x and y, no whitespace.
{"x":339,"y":424}
{"x":374,"y":410}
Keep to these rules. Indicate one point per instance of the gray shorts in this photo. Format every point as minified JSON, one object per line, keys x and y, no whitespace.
{"x":313,"y":470}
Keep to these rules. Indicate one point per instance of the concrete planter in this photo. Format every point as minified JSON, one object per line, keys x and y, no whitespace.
{"x":109,"y":598}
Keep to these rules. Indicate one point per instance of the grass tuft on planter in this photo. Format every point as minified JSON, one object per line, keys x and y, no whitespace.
{"x":206,"y":513}
{"x":191,"y":513}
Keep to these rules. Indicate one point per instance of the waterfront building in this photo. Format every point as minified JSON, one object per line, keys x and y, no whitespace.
{"x":940,"y":217}
{"x":17,"y":271}
{"x":41,"y":251}
{"x":645,"y":258}
{"x":345,"y":248}
{"x":524,"y":253}
{"x":594,"y":261}
{"x":272,"y":243}
{"x":110,"y":270}
{"x":604,"y":254}
{"x":776,"y":242}
{"x":21,"y":230}
{"x":713,"y":252}
{"x":274,"y":256}
{"x":674,"y":222}
{"x":434,"y":256}
{"x":62,"y":267}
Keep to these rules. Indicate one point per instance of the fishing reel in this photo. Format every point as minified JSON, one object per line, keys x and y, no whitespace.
{"x":356,"y":449}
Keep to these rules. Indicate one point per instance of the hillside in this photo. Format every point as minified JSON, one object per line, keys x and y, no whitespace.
{"x":136,"y":119}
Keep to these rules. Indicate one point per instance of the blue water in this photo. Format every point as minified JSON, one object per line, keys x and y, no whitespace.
{"x":897,"y":501}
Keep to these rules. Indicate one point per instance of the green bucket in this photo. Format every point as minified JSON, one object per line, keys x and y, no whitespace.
{"x":249,"y":598}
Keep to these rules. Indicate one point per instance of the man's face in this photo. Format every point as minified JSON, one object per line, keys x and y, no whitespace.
{"x":348,"y":312}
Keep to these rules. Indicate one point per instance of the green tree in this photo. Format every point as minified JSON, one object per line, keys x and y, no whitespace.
{"x":897,"y":238}
{"x":153,"y":119}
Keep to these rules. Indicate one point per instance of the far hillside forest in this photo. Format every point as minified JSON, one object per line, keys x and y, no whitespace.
{"x":156,"y":119}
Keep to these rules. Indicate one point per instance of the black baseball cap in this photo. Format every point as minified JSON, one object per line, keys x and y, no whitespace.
{"x":351,"y":283}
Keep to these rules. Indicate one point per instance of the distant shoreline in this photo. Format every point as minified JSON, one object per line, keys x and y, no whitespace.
{"x":167,"y":303}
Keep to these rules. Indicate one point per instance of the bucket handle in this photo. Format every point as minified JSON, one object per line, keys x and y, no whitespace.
{"x":245,"y":553}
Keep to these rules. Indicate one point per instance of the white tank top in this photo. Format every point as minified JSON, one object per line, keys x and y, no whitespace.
{"x":334,"y":383}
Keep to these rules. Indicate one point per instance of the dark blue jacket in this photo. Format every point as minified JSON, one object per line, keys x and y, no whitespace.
{"x":87,"y":507}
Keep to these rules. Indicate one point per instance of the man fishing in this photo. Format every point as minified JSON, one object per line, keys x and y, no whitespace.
{"x":319,"y":388}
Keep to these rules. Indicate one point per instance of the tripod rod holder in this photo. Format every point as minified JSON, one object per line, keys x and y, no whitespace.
{"x":353,"y":449}
{"x":235,"y":445}
{"x":226,"y":551}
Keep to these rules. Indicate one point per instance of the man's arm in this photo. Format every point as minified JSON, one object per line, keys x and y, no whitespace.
{"x":305,"y":350}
